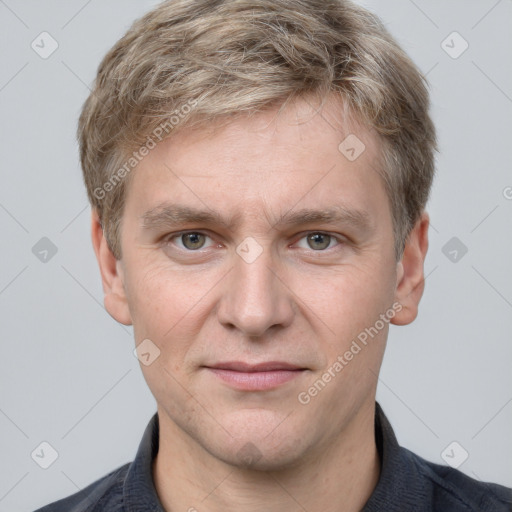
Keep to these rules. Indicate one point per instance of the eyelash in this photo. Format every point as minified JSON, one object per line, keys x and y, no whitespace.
{"x":168,"y":239}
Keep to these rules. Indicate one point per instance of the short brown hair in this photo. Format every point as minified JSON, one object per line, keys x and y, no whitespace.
{"x":203,"y":60}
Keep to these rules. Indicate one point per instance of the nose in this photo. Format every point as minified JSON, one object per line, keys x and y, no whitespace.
{"x":255,"y":297}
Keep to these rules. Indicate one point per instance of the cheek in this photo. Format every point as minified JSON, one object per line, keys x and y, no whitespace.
{"x":167,"y":306}
{"x":349,"y":298}
{"x":349,"y":304}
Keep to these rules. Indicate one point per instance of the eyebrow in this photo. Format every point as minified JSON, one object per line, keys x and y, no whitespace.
{"x":169,"y":215}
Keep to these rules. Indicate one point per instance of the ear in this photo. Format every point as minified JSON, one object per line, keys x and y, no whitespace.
{"x":111,"y":274}
{"x":410,"y":278}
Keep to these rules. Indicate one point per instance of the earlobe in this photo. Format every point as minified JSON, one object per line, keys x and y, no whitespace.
{"x":410,"y":276}
{"x":111,"y":275}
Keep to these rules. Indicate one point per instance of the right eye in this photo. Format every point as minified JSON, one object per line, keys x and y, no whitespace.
{"x":190,"y":241}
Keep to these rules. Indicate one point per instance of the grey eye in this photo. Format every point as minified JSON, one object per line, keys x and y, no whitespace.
{"x":193,"y":240}
{"x":319,"y":241}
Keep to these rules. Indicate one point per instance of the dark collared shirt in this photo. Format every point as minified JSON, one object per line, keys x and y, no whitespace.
{"x":407,"y":483}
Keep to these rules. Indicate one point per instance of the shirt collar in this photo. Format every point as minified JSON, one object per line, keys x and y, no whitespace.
{"x":139,"y":491}
{"x":399,"y":477}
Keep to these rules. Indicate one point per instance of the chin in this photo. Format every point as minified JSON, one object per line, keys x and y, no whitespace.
{"x":263,"y":458}
{"x":264,"y":446}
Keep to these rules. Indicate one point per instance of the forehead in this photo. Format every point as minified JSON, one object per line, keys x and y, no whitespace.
{"x":266,"y":163}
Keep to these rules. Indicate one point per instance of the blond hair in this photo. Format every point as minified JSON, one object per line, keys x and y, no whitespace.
{"x":225,"y":58}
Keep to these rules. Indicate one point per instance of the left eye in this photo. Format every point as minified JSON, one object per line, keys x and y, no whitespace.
{"x":192,"y":240}
{"x":319,"y":241}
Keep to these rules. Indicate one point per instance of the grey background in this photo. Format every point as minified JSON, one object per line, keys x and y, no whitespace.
{"x":68,"y":375}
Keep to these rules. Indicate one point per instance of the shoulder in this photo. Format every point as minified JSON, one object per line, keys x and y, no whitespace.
{"x":106,"y":493}
{"x":450,"y":489}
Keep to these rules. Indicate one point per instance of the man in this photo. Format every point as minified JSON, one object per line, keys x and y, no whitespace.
{"x":258,"y":174}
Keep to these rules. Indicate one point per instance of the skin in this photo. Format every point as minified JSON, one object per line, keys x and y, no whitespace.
{"x":293,"y":303}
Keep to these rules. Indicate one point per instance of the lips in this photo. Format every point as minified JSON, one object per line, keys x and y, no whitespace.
{"x":238,"y":366}
{"x":255,"y":377}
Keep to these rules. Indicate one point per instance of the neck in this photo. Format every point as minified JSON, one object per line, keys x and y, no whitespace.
{"x":339,"y":478}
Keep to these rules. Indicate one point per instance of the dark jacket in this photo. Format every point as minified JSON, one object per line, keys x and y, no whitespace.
{"x":407,"y":483}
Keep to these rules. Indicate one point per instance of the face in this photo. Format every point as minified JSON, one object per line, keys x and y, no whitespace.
{"x":254,"y":256}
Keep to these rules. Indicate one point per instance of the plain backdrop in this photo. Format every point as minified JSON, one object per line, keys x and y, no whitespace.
{"x":68,"y":374}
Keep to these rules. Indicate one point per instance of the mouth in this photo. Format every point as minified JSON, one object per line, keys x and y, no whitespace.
{"x":255,"y":377}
